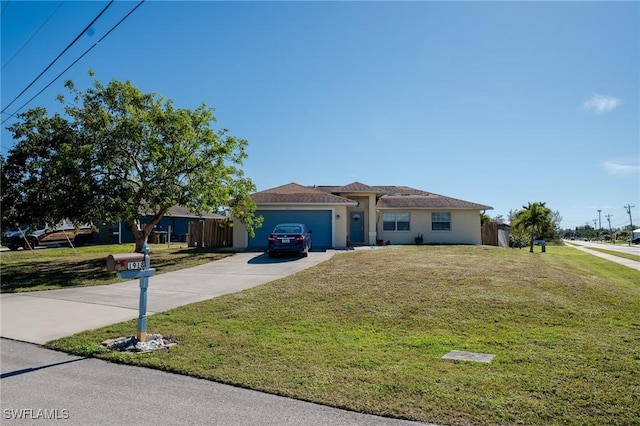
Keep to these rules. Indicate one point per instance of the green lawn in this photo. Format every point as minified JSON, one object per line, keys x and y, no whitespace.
{"x":367,"y":329}
{"x":50,"y":269}
{"x":616,"y":253}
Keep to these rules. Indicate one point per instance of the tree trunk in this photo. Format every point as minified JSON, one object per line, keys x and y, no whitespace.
{"x":141,"y":233}
{"x":533,"y":236}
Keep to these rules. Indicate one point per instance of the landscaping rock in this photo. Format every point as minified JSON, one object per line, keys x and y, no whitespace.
{"x":132,"y":344}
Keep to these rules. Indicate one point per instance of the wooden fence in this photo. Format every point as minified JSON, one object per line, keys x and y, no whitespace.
{"x":495,"y":234}
{"x":213,"y":233}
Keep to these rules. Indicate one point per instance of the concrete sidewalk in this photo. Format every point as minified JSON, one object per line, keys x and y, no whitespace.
{"x":588,"y":247}
{"x":39,"y":317}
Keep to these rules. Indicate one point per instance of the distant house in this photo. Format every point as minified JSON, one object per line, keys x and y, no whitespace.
{"x":359,"y":214}
{"x":176,"y":219}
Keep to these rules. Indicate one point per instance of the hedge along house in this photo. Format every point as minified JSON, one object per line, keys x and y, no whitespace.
{"x":359,"y":214}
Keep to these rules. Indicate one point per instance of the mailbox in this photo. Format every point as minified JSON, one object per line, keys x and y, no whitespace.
{"x":135,"y":265}
{"x":125,"y":262}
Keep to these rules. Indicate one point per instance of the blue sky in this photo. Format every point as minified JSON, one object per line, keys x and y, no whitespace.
{"x":499,"y":103}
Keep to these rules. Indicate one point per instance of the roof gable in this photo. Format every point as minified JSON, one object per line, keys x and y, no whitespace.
{"x":293,"y":193}
{"x":358,"y":187}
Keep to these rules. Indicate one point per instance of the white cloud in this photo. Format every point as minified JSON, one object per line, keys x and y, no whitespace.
{"x":617,"y":168}
{"x":601,"y":103}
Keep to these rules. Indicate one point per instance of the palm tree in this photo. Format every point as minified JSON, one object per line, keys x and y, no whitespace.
{"x":534,"y":218}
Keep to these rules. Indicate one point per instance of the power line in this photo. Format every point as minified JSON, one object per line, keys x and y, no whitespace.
{"x":58,"y":57}
{"x":74,"y":62}
{"x":33,"y":35}
{"x":608,"y":216}
{"x":628,"y":208}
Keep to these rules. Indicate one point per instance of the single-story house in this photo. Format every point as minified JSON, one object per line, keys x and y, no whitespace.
{"x":359,"y":214}
{"x":175,"y":220}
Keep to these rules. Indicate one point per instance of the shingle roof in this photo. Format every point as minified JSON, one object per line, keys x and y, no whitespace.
{"x":391,"y":197}
{"x":409,"y":198}
{"x":293,"y":193}
{"x":180,"y":211}
{"x":357,"y":187}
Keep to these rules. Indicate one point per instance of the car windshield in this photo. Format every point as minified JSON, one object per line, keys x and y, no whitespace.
{"x":288,"y":229}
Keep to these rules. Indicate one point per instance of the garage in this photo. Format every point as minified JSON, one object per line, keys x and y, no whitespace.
{"x":318,"y":221}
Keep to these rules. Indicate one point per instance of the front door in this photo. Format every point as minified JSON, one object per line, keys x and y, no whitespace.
{"x":356,"y":228}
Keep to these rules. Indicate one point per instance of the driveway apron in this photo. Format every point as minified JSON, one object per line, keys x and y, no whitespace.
{"x":39,"y":317}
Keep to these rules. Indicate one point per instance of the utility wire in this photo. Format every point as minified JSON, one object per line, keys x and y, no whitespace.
{"x":33,"y":35}
{"x":58,"y":57}
{"x":74,"y":62}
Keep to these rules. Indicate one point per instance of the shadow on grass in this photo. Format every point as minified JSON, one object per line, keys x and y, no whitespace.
{"x":55,"y":273}
{"x":67,"y":272}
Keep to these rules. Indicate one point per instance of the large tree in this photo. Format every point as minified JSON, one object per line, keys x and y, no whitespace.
{"x":534,"y":218}
{"x":119,"y":154}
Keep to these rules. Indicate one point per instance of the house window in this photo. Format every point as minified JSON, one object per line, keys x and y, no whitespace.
{"x":396,"y":221}
{"x":441,"y":221}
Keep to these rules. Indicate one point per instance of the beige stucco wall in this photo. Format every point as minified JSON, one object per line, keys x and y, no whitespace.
{"x":240,"y":236}
{"x":365,"y":201}
{"x":465,"y":228}
{"x":339,"y":225}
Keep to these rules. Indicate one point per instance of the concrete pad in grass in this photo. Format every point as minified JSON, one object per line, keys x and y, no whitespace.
{"x":469,"y":356}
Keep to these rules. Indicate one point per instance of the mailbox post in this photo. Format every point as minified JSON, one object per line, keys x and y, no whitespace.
{"x":131,"y":266}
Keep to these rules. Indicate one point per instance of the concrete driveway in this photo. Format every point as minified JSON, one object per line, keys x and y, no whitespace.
{"x":38,"y":317}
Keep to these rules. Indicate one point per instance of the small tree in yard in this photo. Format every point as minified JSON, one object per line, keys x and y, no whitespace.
{"x":120,"y":155}
{"x":535,"y":218}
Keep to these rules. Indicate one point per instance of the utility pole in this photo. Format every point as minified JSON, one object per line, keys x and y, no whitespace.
{"x":628,"y":208}
{"x":599,"y":219}
{"x":608,"y":216}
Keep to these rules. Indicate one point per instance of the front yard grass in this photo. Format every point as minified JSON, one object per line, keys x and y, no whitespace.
{"x":617,"y":253}
{"x":51,"y":269}
{"x":367,"y":329}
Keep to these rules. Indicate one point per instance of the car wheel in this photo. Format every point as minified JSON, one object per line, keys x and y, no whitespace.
{"x":272,"y":254}
{"x":31,"y":243}
{"x":13,"y":247}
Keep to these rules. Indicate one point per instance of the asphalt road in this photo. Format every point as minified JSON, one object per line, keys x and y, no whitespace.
{"x":587,"y":247}
{"x":37,"y":382}
{"x":623,"y":248}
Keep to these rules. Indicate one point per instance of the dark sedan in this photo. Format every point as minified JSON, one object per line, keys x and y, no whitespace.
{"x":290,"y":238}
